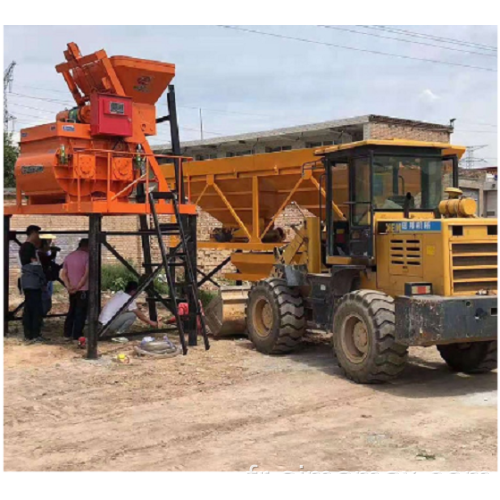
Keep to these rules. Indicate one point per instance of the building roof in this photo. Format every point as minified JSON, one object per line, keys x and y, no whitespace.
{"x":447,"y":149}
{"x":483,"y":169}
{"x":311,"y":128}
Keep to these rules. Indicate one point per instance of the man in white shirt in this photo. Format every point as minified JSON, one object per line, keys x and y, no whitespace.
{"x":122,"y":323}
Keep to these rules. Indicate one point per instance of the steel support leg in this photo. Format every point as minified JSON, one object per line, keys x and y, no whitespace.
{"x":189,"y":223}
{"x":6,"y":244}
{"x":148,"y":268}
{"x":146,"y":252}
{"x":175,"y":143}
{"x":95,"y":221}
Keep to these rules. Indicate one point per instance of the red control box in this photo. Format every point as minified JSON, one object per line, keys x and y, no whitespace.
{"x":111,"y":115}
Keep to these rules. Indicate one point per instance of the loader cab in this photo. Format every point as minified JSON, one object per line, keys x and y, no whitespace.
{"x":371,"y":180}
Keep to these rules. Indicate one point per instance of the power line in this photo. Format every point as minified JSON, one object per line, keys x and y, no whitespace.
{"x":452,"y":41}
{"x":348,"y":30}
{"x":316,"y":42}
{"x":198,"y":131}
{"x":47,"y":99}
{"x":212,"y":110}
{"x":476,"y":131}
{"x":30,"y":116}
{"x":42,"y":118}
{"x":44,"y":88}
{"x":204,"y":131}
{"x":51,"y":111}
{"x":482,"y":124}
{"x":32,"y":123}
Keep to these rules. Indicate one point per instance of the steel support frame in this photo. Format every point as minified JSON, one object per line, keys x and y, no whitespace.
{"x":6,"y":253}
{"x":98,"y":239}
{"x":95,"y":227}
{"x":190,"y":229}
{"x":214,"y":271}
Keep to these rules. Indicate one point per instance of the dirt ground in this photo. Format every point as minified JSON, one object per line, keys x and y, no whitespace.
{"x":232,"y":407}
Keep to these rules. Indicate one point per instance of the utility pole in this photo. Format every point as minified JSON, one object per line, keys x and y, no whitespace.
{"x":8,"y":78}
{"x":201,"y":125}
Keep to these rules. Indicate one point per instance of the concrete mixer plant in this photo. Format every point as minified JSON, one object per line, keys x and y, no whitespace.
{"x":94,"y":160}
{"x":389,"y":255}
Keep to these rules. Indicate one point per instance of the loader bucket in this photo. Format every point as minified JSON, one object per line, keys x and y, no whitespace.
{"x":225,"y":315}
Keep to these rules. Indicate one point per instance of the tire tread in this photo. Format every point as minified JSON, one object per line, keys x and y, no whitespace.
{"x":292,"y":315}
{"x":390,"y":359}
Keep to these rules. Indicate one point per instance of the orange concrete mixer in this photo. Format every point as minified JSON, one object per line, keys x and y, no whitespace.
{"x":94,"y":155}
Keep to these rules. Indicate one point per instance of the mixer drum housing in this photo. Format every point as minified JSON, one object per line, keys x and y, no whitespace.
{"x":56,"y":165}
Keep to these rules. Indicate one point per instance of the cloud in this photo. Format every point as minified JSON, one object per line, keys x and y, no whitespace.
{"x":428,"y":95}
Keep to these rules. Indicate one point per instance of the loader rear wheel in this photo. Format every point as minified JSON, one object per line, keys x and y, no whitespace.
{"x":363,"y":338}
{"x":473,"y":357}
{"x":275,"y":316}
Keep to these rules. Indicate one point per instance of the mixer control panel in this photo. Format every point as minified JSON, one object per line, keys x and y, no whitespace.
{"x":111,"y":115}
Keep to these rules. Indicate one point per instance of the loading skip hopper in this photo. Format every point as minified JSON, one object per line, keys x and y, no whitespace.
{"x":247,"y":194}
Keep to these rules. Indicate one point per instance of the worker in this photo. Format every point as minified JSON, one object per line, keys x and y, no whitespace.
{"x":27,"y":251}
{"x":47,"y":255}
{"x":33,"y":283}
{"x":75,"y":276}
{"x":122,"y":323}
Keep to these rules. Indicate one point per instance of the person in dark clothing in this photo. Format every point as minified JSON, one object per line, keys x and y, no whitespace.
{"x":47,"y":255}
{"x":32,"y":283}
{"x":75,"y":274}
{"x":27,"y":251}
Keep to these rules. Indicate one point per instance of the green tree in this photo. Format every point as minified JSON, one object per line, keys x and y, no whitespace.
{"x":10,"y":154}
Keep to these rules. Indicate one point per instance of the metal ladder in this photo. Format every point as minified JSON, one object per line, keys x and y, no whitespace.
{"x":178,"y":256}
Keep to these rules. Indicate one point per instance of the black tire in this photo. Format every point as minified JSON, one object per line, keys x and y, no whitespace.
{"x":473,"y":357}
{"x":363,"y":338}
{"x":275,"y":316}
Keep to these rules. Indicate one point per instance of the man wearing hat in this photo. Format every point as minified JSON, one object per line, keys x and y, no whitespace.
{"x":33,"y":283}
{"x":47,"y":255}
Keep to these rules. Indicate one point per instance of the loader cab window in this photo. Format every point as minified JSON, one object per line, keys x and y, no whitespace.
{"x":350,"y":191}
{"x":364,"y":182}
{"x":425,"y":178}
{"x":361,"y":191}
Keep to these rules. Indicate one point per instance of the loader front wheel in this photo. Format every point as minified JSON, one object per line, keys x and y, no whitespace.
{"x":275,"y":316}
{"x":473,"y":357}
{"x":363,"y":337}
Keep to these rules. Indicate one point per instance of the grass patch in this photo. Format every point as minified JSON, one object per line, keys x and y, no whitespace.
{"x":206,"y":296}
{"x":114,"y":277}
{"x":57,"y":287}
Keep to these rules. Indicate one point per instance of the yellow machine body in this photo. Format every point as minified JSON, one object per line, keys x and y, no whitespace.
{"x":451,"y":249}
{"x":460,"y":258}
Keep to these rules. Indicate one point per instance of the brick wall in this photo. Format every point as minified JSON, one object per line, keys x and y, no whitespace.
{"x":128,"y":246}
{"x":390,"y":131}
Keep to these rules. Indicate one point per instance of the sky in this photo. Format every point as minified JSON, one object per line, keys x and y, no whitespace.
{"x":246,"y":82}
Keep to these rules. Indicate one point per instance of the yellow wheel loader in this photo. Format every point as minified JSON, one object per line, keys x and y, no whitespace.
{"x":389,"y":255}
{"x":396,"y":258}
